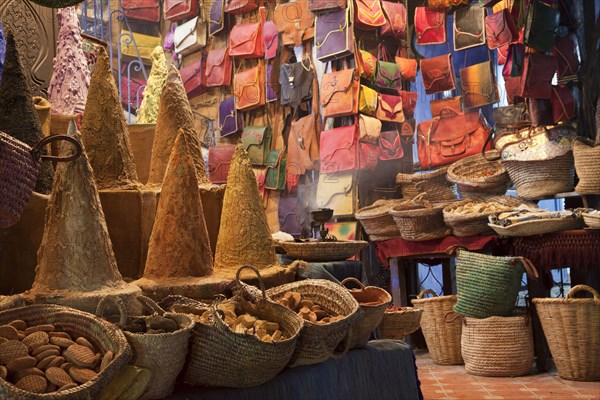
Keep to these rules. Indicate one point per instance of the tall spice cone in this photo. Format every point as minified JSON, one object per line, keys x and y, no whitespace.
{"x":18,"y":116}
{"x":104,"y":131}
{"x":148,"y":111}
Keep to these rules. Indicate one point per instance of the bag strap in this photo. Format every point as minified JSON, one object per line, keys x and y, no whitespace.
{"x":36,"y":151}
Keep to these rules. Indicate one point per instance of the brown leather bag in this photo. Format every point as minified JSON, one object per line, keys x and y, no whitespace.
{"x":438,"y":74}
{"x":303,"y":149}
{"x":249,"y":88}
{"x":478,"y":85}
{"x":295,"y":22}
{"x":453,"y":103}
{"x":340,"y":93}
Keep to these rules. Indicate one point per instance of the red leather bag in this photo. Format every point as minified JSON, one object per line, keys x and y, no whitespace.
{"x":395,"y":19}
{"x":500,"y":29}
{"x":563,"y":104}
{"x":240,"y":6}
{"x":565,"y":51}
{"x":430,"y":26}
{"x":513,"y":88}
{"x":246,"y":39}
{"x":438,"y":74}
{"x":368,"y":14}
{"x":339,"y":149}
{"x":194,"y":77}
{"x":409,"y":102}
{"x":502,"y":54}
{"x":368,"y":156}
{"x":390,"y":143}
{"x":219,"y":161}
{"x":538,"y":72}
{"x":177,"y":10}
{"x":218,"y":68}
{"x":390,"y":108}
{"x":145,"y":10}
{"x":270,"y":39}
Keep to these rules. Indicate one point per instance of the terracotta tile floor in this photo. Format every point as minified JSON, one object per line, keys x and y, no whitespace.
{"x":442,"y":382}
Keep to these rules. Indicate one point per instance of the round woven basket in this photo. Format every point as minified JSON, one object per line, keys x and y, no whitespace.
{"x":441,"y":327}
{"x":477,"y":175}
{"x":163,"y":354}
{"x":537,"y":227}
{"x":317,"y":343}
{"x":423,"y":223}
{"x":497,"y":346}
{"x":376,"y":219}
{"x":398,"y":324}
{"x":323,"y":251}
{"x":372,"y":302}
{"x":103,"y":335}
{"x":434,"y":184}
{"x":571,"y":329}
{"x":587,"y":166}
{"x":591,"y":220}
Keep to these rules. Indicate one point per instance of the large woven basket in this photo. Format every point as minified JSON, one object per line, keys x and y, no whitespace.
{"x":376,"y":219}
{"x":317,"y":343}
{"x":571,"y":326}
{"x":425,"y":222}
{"x":221,"y":357}
{"x":537,"y":226}
{"x":587,"y":166}
{"x":441,"y":327}
{"x":396,"y":324}
{"x":323,"y":251}
{"x":478,"y":176}
{"x":163,"y":354}
{"x":497,"y":346}
{"x":103,"y":335}
{"x":434,"y":184}
{"x":372,"y":302}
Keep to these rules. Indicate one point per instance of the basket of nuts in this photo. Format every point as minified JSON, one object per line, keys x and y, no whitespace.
{"x":58,"y":353}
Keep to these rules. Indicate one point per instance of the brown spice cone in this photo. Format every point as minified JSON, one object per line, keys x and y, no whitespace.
{"x":104,"y":131}
{"x":43,"y":107}
{"x":179,"y":245}
{"x":174,"y":113}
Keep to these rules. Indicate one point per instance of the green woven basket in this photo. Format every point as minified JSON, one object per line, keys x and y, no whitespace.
{"x":489,"y":285}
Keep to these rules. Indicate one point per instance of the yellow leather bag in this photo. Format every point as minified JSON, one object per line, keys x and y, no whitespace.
{"x":145,"y":44}
{"x":367,"y":101}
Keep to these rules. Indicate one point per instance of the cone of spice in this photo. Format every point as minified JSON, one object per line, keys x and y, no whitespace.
{"x":18,"y":116}
{"x":148,"y":111}
{"x":104,"y":131}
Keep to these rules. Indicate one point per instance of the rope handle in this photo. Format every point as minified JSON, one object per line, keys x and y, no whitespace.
{"x":426,"y":291}
{"x":36,"y":151}
{"x":529,"y":267}
{"x":106,"y":302}
{"x":456,"y":315}
{"x":347,"y":342}
{"x":151,"y":305}
{"x":580,"y":288}
{"x":353,"y":280}
{"x":260,"y":280}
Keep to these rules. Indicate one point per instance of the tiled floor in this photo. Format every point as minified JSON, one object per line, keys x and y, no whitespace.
{"x":441,"y":382}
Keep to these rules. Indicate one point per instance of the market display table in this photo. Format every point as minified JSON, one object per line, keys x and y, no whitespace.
{"x":384,"y":369}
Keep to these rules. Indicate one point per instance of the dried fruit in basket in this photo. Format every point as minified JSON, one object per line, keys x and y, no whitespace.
{"x":308,"y":310}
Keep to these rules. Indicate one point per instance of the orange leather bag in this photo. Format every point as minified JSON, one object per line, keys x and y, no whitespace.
{"x":249,"y":88}
{"x":340,"y":93}
{"x":246,"y":39}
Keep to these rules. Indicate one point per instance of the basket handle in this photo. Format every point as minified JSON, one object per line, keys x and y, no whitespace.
{"x":456,"y":315}
{"x":107,"y":301}
{"x":36,"y":151}
{"x":353,"y":280}
{"x":454,"y":250}
{"x":579,"y":288}
{"x":151,"y":305}
{"x":347,"y":341}
{"x":529,"y":267}
{"x":260,"y":279}
{"x":426,"y":291}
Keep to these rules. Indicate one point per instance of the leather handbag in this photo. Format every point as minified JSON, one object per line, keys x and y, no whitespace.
{"x":395,"y":20}
{"x":249,"y":88}
{"x":515,"y":59}
{"x":273,"y":89}
{"x":144,"y":10}
{"x":368,"y":14}
{"x":451,"y":137}
{"x":326,"y":5}
{"x":338,"y":148}
{"x":230,"y":121}
{"x":430,"y":26}
{"x":194,"y":77}
{"x":245,"y":39}
{"x":409,"y":102}
{"x":368,"y":156}
{"x":508,"y":116}
{"x":334,"y":36}
{"x":219,"y":161}
{"x":541,"y":25}
{"x":453,"y":104}
{"x":502,"y":54}
{"x":367,"y":101}
{"x":296,"y":80}
{"x":537,"y":144}
{"x":388,"y":75}
{"x":218,"y":68}
{"x":288,"y":222}
{"x":500,"y":29}
{"x":190,"y":36}
{"x":469,"y":27}
{"x":271,"y":40}
{"x":340,"y":93}
{"x":295,"y":22}
{"x":540,"y":111}
{"x":367,"y":64}
{"x":478,"y":85}
{"x":216,"y":21}
{"x":240,"y":6}
{"x":178,"y":10}
{"x":260,"y":174}
{"x":538,"y":72}
{"x":276,"y":165}
{"x":390,"y":108}
{"x":567,"y":60}
{"x":563,"y":104}
{"x":336,"y":190}
{"x":438,"y":74}
{"x":512,"y":85}
{"x":132,"y":90}
{"x":390,"y":146}
{"x":256,"y":140}
{"x":134,"y":44}
{"x":408,"y":68}
{"x":369,"y":129}
{"x":303,"y":149}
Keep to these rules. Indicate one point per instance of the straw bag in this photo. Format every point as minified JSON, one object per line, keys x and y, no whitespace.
{"x":317,"y":343}
{"x":480,"y":175}
{"x":19,"y":169}
{"x":221,"y":357}
{"x":571,"y":329}
{"x":103,"y":336}
{"x":398,"y":322}
{"x":587,"y":166}
{"x":441,"y":327}
{"x":373,"y":302}
{"x":163,"y":354}
{"x":497,"y":346}
{"x":433,"y":183}
{"x":419,"y":220}
{"x":489,"y":285}
{"x":377,"y":221}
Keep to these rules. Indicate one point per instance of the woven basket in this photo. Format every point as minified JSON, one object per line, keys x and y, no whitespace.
{"x":372,"y":302}
{"x":477,"y":175}
{"x":323,"y":251}
{"x":103,"y":335}
{"x":397,"y":324}
{"x":434,"y":184}
{"x":571,"y":326}
{"x":163,"y":354}
{"x":489,"y":285}
{"x":423,"y":223}
{"x":591,"y":220}
{"x":497,"y":346}
{"x":376,"y":219}
{"x":534,"y":179}
{"x":221,"y":357}
{"x":441,"y":327}
{"x":317,"y":343}
{"x":537,"y":227}
{"x":587,"y":166}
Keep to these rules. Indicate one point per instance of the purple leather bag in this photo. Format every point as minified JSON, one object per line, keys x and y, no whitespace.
{"x":287,"y":216}
{"x":334,"y":36}
{"x":230,"y":121}
{"x":217,"y":18}
{"x":272,"y":85}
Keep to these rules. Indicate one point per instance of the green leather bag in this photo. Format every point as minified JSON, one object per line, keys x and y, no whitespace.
{"x":257,"y":142}
{"x":276,"y":165}
{"x":541,"y":25}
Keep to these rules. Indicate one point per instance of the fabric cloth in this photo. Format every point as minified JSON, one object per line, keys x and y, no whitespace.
{"x":384,"y":369}
{"x":335,"y":271}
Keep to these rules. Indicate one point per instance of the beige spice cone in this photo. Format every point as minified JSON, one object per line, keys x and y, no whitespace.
{"x":174,"y":112}
{"x":104,"y":131}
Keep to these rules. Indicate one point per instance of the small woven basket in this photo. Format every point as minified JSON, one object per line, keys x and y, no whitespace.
{"x":591,"y":220}
{"x":376,"y":219}
{"x":497,"y":346}
{"x":571,"y":326}
{"x":421,"y":221}
{"x":373,"y":302}
{"x":434,"y":184}
{"x":441,"y":327}
{"x":323,"y":251}
{"x":538,"y":226}
{"x":587,"y":166}
{"x":396,"y":324}
{"x":478,"y":175}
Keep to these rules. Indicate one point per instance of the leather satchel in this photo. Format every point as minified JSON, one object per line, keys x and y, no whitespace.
{"x":271,"y":40}
{"x":256,"y":140}
{"x":368,"y":14}
{"x":395,"y":20}
{"x":190,"y":37}
{"x":336,"y":190}
{"x":288,"y":222}
{"x":216,"y":21}
{"x":508,"y":116}
{"x":367,"y":101}
{"x":194,"y":77}
{"x":408,"y":68}
{"x":500,"y":29}
{"x":276,"y":165}
{"x":246,"y":41}
{"x":469,"y":27}
{"x":453,"y":104}
{"x":563,"y":104}
{"x":296,"y":80}
{"x":537,"y":76}
{"x":390,"y":146}
{"x":567,"y":60}
{"x":303,"y":149}
{"x":388,"y":75}
{"x":478,"y":85}
{"x":541,"y":25}
{"x":430,"y":26}
{"x":326,"y":5}
{"x":219,"y":162}
{"x":340,"y":93}
{"x":512,"y":85}
{"x":409,"y":102}
{"x":339,"y":149}
{"x":451,"y":137}
{"x":515,"y":59}
{"x":295,"y":22}
{"x":540,"y":111}
{"x":367,"y":64}
{"x":438,"y":74}
{"x":334,"y":36}
{"x":178,"y":10}
{"x":144,"y":10}
{"x":369,"y":129}
{"x":249,"y":88}
{"x":368,"y":156}
{"x":240,"y":6}
{"x":230,"y":122}
{"x":390,"y":108}
{"x":218,"y":68}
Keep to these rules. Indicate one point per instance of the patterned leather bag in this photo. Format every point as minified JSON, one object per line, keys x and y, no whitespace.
{"x":438,"y":74}
{"x":368,"y":14}
{"x":395,"y":20}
